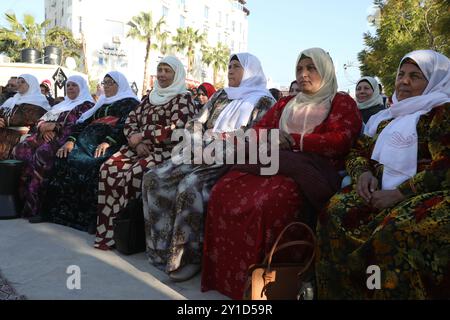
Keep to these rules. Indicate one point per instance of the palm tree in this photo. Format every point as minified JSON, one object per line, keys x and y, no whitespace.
{"x":187,"y":39}
{"x":217,"y":57}
{"x":143,"y":29}
{"x":18,"y":36}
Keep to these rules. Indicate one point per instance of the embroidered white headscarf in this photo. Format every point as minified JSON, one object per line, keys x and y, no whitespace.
{"x":123,"y":93}
{"x":397,"y":145}
{"x":305,"y":112}
{"x":159,"y":95}
{"x":32,"y":96}
{"x":376,"y":98}
{"x":68,"y":104}
{"x":252,"y":88}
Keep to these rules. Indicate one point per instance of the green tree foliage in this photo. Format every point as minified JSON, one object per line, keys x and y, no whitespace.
{"x":30,"y":34}
{"x":217,"y":57}
{"x":143,"y":28}
{"x":186,"y":41}
{"x":18,"y":36}
{"x":404,"y":26}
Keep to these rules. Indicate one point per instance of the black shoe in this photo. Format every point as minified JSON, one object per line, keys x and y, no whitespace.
{"x":36,"y":219}
{"x":92,"y":228}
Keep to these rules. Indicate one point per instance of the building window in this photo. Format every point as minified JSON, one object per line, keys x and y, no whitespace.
{"x":220,"y":17}
{"x":233,"y":26}
{"x":206,"y":13}
{"x":182,"y":4}
{"x":182,"y":22}
{"x":232,"y":46}
{"x":165,"y":12}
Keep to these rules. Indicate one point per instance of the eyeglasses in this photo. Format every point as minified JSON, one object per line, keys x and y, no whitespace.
{"x":108,"y":83}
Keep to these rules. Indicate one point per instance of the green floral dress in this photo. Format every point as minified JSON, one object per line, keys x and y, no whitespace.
{"x":409,"y":242}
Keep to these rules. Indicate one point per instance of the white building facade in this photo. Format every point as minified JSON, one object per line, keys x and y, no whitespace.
{"x":102,"y":24}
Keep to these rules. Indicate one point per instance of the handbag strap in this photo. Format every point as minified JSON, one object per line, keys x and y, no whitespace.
{"x":276,"y":248}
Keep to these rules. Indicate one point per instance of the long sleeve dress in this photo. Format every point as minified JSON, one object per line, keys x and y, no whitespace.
{"x":72,"y":191}
{"x":23,"y":115}
{"x":175,"y":196}
{"x":121,"y":175}
{"x":409,"y":242}
{"x":39,"y":157}
{"x":246,"y":212}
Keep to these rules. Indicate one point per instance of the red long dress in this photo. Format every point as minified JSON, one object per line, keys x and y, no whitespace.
{"x":247,"y":212}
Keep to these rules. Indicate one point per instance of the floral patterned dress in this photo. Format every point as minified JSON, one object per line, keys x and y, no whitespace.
{"x":175,"y":196}
{"x":72,"y":191}
{"x":409,"y":242}
{"x":40,"y":156}
{"x":121,"y":175}
{"x":246,"y":212}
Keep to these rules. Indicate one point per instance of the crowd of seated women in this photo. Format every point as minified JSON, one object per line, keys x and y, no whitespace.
{"x":85,"y":161}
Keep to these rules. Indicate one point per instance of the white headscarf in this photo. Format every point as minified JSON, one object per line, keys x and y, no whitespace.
{"x":305,"y":112}
{"x":123,"y":93}
{"x":376,"y":98}
{"x":251,"y":89}
{"x":69,"y":104}
{"x":159,"y":95}
{"x":32,"y":96}
{"x":397,"y":145}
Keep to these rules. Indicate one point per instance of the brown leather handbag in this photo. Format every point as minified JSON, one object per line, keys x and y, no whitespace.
{"x":284,"y":280}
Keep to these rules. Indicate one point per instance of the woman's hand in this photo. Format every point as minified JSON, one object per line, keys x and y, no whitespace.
{"x":143,"y":150}
{"x":134,"y":140}
{"x":48,"y":136}
{"x":2,"y":123}
{"x":64,"y":151}
{"x":101,"y":150}
{"x":367,"y":184}
{"x":386,"y":198}
{"x":286,"y":140}
{"x":47,"y":127}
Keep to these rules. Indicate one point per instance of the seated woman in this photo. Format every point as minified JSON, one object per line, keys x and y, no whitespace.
{"x":72,"y":192}
{"x":38,"y":151}
{"x":368,"y":97}
{"x":175,"y":195}
{"x":246,"y":212}
{"x":397,"y":216}
{"x":20,"y":113}
{"x":204,"y":92}
{"x":149,"y":132}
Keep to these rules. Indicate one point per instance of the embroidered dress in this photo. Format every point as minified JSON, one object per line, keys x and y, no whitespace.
{"x":121,"y":175}
{"x":19,"y":120}
{"x":175,"y":196}
{"x":246,"y":212}
{"x":72,"y":192}
{"x":410,"y":242}
{"x":40,"y":156}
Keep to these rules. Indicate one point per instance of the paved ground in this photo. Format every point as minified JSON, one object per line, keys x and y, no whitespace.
{"x":34,"y":259}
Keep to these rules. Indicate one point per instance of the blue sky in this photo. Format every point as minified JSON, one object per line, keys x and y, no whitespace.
{"x":279,"y":30}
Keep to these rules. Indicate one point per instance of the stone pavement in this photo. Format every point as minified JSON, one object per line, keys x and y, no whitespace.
{"x":34,"y":259}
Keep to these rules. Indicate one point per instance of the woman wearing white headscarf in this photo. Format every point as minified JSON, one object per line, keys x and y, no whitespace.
{"x":368,"y":97}
{"x":149,"y":130}
{"x":20,"y":113}
{"x":246,"y":211}
{"x":38,"y":151}
{"x":72,"y":191}
{"x":397,"y":216}
{"x":175,"y":195}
